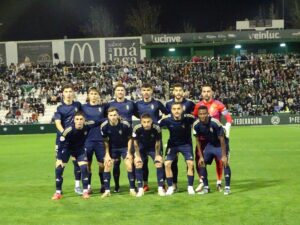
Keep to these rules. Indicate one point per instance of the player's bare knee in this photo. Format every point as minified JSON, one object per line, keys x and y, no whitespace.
{"x":108,"y":165}
{"x":190,"y":164}
{"x":168,"y":163}
{"x":138,"y":164}
{"x":158,"y":165}
{"x":128,"y":164}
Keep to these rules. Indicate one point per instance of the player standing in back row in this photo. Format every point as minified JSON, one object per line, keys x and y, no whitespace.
{"x":94,"y":110}
{"x":215,"y":110}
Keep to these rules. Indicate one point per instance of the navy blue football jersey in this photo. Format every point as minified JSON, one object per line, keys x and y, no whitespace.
{"x":211,"y":130}
{"x":180,"y":130}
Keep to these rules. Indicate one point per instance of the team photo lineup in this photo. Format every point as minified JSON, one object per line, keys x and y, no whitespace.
{"x":149,"y":112}
{"x":107,"y":130}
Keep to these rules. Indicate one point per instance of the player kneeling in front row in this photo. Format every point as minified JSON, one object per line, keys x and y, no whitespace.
{"x":71,"y":143}
{"x":147,"y":141}
{"x":117,"y":141}
{"x":213,"y":131}
{"x":180,"y":140}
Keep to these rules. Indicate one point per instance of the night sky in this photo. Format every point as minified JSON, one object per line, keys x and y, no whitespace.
{"x":54,"y":19}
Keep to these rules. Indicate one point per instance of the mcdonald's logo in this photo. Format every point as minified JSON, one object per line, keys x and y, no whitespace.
{"x":81,"y":50}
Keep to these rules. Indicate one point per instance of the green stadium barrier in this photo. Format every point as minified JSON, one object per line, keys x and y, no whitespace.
{"x":279,"y":119}
{"x":27,"y":129}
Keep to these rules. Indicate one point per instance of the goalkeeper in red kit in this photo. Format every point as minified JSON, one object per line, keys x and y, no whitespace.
{"x":216,"y":109}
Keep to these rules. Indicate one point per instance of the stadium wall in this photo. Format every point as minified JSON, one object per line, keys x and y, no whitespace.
{"x":281,"y":119}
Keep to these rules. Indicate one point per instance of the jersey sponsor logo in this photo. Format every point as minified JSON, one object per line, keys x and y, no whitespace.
{"x":81,"y":52}
{"x":275,"y":120}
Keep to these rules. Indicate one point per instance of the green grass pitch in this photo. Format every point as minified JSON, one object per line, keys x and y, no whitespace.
{"x":265,"y":186}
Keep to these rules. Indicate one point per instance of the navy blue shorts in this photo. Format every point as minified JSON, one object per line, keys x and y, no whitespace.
{"x":64,"y":155}
{"x":211,"y":152}
{"x":185,"y":150}
{"x":96,"y":147}
{"x":117,"y":153}
{"x":147,"y":152}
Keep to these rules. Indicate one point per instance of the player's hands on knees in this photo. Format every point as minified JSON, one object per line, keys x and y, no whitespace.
{"x":158,"y":158}
{"x":138,"y":162}
{"x":107,"y":160}
{"x":129,"y":156}
{"x":224,"y":161}
{"x":201,"y":162}
{"x":59,"y":163}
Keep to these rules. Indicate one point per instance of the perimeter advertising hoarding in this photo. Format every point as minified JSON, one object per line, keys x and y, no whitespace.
{"x":35,"y":52}
{"x":87,"y":51}
{"x":2,"y":54}
{"x":123,"y":50}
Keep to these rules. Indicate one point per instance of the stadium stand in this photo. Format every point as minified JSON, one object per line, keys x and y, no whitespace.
{"x":248,"y":85}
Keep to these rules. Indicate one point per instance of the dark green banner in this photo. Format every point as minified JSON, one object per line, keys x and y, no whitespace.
{"x":27,"y":129}
{"x":267,"y":120}
{"x":221,"y":36}
{"x":280,"y":119}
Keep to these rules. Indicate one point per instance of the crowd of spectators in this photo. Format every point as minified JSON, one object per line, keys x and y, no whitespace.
{"x":249,"y":85}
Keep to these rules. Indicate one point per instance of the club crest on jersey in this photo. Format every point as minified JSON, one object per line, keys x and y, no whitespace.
{"x":127,"y":107}
{"x":62,"y":138}
{"x":85,"y":133}
{"x":183,"y":126}
{"x":152,"y":106}
{"x":76,"y":109}
{"x":120,"y":132}
{"x":183,"y":107}
{"x":211,"y":130}
{"x":100,"y":110}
